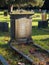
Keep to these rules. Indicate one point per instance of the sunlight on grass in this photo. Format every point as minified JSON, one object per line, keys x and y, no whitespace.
{"x":4,"y":38}
{"x":36,"y":16}
{"x":4,"y":18}
{"x":39,"y":37}
{"x":1,"y":12}
{"x":34,"y":23}
{"x":42,"y":40}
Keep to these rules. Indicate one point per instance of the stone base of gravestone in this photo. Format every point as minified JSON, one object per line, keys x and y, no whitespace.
{"x":4,"y":26}
{"x":42,"y":24}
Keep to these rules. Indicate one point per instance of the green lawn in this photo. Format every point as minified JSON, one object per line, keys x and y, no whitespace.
{"x":39,"y":36}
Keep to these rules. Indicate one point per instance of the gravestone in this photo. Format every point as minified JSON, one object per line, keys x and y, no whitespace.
{"x":4,"y":26}
{"x":21,"y":25}
{"x":42,"y":24}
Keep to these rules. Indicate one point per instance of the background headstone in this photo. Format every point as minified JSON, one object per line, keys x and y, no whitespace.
{"x":4,"y":26}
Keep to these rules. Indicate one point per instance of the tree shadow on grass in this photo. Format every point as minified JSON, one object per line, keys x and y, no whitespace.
{"x":4,"y":46}
{"x":43,"y":41}
{"x":47,"y":39}
{"x":37,"y":31}
{"x":4,"y":33}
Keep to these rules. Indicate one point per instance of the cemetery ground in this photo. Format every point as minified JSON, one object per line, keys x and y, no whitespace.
{"x":40,"y":37}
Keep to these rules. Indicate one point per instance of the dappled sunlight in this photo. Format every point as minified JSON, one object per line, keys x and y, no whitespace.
{"x":6,"y":52}
{"x":36,"y":16}
{"x":42,"y":40}
{"x":4,"y":18}
{"x":1,"y":12}
{"x":4,"y":37}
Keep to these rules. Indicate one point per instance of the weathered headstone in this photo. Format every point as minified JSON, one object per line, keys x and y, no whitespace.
{"x":21,"y":25}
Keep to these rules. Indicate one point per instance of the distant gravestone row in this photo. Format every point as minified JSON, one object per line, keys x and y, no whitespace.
{"x":4,"y":26}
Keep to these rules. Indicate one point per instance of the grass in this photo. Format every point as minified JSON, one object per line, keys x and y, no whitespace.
{"x":39,"y":36}
{"x":26,"y":50}
{"x":31,"y":52}
{"x":11,"y":57}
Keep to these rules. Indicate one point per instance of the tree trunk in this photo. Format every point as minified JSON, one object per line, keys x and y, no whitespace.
{"x":10,"y":8}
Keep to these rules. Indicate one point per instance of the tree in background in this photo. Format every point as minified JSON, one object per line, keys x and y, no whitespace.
{"x":10,"y":4}
{"x":2,"y":3}
{"x":21,"y":3}
{"x":38,"y":3}
{"x":46,"y":5}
